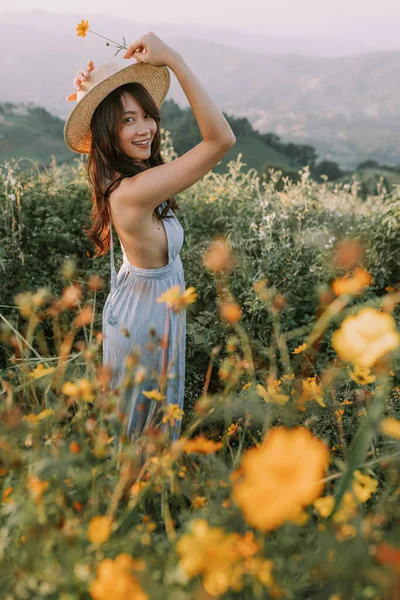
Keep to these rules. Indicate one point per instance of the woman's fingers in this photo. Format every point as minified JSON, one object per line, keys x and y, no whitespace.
{"x":138,"y":45}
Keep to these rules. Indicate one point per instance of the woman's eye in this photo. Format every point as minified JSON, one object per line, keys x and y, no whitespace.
{"x":146,"y":116}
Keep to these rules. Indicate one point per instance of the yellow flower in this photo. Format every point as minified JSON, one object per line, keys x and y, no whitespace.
{"x":272,"y":394}
{"x":362,"y":375}
{"x":366,"y":337}
{"x":114,"y":579}
{"x":81,"y":389}
{"x":232,"y":428}
{"x":172,"y":413}
{"x":363,"y":486}
{"x":82,"y":28}
{"x":40,"y":371}
{"x":199,"y":501}
{"x":154,"y":395}
{"x":279,"y":478}
{"x":209,"y":552}
{"x":37,"y":487}
{"x":70,"y":389}
{"x":352,"y":285}
{"x":390,"y":427}
{"x":86,"y":390}
{"x":311,"y":391}
{"x":6,"y":495}
{"x":324,"y":505}
{"x":177,"y":300}
{"x":32,"y":418}
{"x":201,"y":445}
{"x":299,"y":349}
{"x":230,"y":311}
{"x":99,"y":529}
{"x":247,"y":385}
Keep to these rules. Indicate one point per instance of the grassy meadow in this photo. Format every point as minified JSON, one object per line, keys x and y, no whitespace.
{"x":285,"y":481}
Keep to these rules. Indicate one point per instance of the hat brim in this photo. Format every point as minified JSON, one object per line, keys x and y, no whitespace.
{"x":77,"y":134}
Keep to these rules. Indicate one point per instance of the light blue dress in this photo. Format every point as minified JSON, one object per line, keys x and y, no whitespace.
{"x":130,"y":311}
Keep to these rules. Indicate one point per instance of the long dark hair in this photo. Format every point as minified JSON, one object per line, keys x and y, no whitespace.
{"x":107,"y":164}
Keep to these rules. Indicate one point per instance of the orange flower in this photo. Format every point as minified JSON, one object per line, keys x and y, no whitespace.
{"x":366,"y":337}
{"x":115,"y":580}
{"x":154,"y":395}
{"x":352,"y":285}
{"x":37,"y":487}
{"x":230,"y":311}
{"x":177,"y":300}
{"x":99,"y":529}
{"x":172,"y":413}
{"x":280,"y":477}
{"x":218,"y":257}
{"x":300,"y":349}
{"x":390,"y":427}
{"x":201,"y":445}
{"x":82,"y":28}
{"x":311,"y":391}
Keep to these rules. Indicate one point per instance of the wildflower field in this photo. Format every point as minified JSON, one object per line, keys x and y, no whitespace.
{"x":285,"y":481}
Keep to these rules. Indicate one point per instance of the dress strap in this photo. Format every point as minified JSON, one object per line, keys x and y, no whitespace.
{"x":111,"y":318}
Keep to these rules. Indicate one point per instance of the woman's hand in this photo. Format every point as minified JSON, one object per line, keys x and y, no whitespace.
{"x":80,"y":76}
{"x":150,"y":49}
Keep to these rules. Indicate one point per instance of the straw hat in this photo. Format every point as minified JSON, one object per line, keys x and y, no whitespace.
{"x":101,"y":81}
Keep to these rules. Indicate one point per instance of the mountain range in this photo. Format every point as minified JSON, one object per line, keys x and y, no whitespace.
{"x":345,"y":106}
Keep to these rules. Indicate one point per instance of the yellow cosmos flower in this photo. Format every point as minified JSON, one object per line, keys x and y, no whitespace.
{"x":114,"y":579}
{"x":177,"y":300}
{"x":40,"y":371}
{"x":390,"y":427}
{"x":201,"y":445}
{"x":292,"y":463}
{"x":366,"y":337}
{"x":362,"y":375}
{"x":82,"y":28}
{"x":272,"y":394}
{"x":32,"y":418}
{"x":299,"y":349}
{"x":232,"y":428}
{"x":99,"y":529}
{"x":81,"y":389}
{"x":230,"y":311}
{"x":352,"y":285}
{"x":154,"y":395}
{"x":37,"y":487}
{"x":311,"y":391}
{"x":363,"y":486}
{"x":172,"y":413}
{"x":215,"y":555}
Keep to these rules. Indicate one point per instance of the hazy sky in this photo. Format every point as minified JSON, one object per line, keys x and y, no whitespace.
{"x":318,"y":17}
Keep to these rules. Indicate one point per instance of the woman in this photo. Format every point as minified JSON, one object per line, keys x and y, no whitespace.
{"x":116,"y":122}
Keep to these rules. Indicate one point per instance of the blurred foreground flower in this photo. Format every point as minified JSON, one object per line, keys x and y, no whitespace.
{"x":272,"y":394}
{"x":99,"y":529}
{"x":201,"y":445}
{"x":311,"y":391}
{"x":390,"y":427}
{"x":221,"y":558}
{"x":362,"y":375}
{"x":280,"y":477}
{"x":177,"y":300}
{"x":352,"y":285}
{"x":218,"y":258}
{"x":366,"y":337}
{"x":40,"y":371}
{"x":115,"y":580}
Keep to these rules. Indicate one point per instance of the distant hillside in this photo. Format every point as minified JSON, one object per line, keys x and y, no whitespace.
{"x":32,"y":132}
{"x":346,"y":107}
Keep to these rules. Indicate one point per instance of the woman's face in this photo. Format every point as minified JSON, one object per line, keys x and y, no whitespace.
{"x":135,"y":126}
